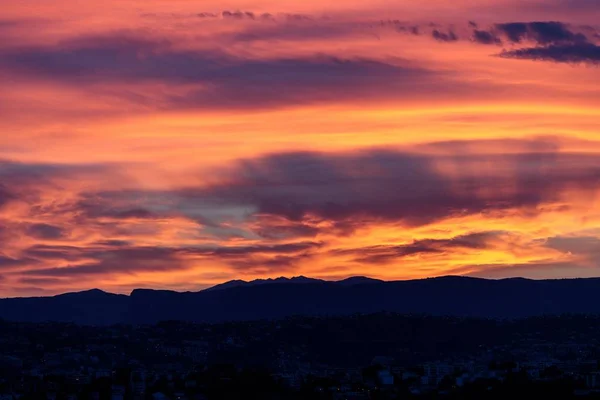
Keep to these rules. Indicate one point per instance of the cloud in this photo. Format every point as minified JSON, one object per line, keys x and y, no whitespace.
{"x":113,"y":243}
{"x":102,"y":205}
{"x":113,"y":259}
{"x":306,"y":31}
{"x":543,"y":33}
{"x":485,"y":37}
{"x":110,"y":261}
{"x":244,"y":251}
{"x":129,"y":58}
{"x":239,"y":14}
{"x":53,"y":253}
{"x":214,"y":79}
{"x":384,"y":254}
{"x":276,"y":264}
{"x":389,"y":185}
{"x":12,"y":29}
{"x":533,"y":270}
{"x":5,"y":195}
{"x":282,"y":82}
{"x":538,"y":33}
{"x":287,"y":207}
{"x":588,"y":246}
{"x":41,"y":281}
{"x":561,"y":53}
{"x":26,"y":181}
{"x":7,"y":262}
{"x":444,"y":37}
{"x":46,"y":232}
{"x":554,"y":41}
{"x":130,"y":67}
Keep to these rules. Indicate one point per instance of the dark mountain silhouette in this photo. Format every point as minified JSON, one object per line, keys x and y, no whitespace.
{"x":92,"y":307}
{"x":355,"y":280}
{"x":277,"y":298}
{"x":238,"y":283}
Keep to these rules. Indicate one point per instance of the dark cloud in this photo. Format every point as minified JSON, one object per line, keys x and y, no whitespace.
{"x":299,"y":32}
{"x":578,"y":245}
{"x":538,"y":33}
{"x":444,"y":37}
{"x":515,"y":31}
{"x":118,"y":205}
{"x":46,"y":232}
{"x":7,"y":262}
{"x":103,"y":209}
{"x":238,"y":14}
{"x":233,"y":15}
{"x":534,"y":270}
{"x":303,"y":195}
{"x":5,"y":195}
{"x":207,"y":15}
{"x":25,"y":181}
{"x":585,"y":53}
{"x":281,"y":228}
{"x":485,"y":37}
{"x":544,"y":33}
{"x":45,"y":252}
{"x":399,"y":186}
{"x":552,"y":40}
{"x":279,"y":83}
{"x":22,"y":174}
{"x":111,"y":259}
{"x":387,"y":254}
{"x":99,"y":269}
{"x":228,"y":80}
{"x":113,"y":243}
{"x":41,"y":281}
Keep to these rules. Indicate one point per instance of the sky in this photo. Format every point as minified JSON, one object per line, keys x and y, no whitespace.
{"x":177,"y":144}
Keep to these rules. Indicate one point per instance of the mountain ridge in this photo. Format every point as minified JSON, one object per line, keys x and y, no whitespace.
{"x":284,"y":297}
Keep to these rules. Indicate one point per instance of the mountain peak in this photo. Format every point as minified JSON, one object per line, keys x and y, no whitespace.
{"x":87,"y":293}
{"x":257,"y":282}
{"x":358,"y":280}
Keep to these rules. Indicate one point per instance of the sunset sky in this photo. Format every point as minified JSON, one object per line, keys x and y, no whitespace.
{"x":178,"y":144}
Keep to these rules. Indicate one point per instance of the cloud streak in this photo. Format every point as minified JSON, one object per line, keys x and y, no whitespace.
{"x":583,"y":53}
{"x":390,"y":254}
{"x":214,"y":79}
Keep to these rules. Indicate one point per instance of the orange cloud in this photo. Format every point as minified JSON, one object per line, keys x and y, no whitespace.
{"x":162,"y":145}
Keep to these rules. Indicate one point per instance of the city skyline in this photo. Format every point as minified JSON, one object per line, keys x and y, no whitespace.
{"x":178,"y":145}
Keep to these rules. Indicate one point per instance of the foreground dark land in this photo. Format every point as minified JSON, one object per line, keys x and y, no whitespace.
{"x":378,"y":356}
